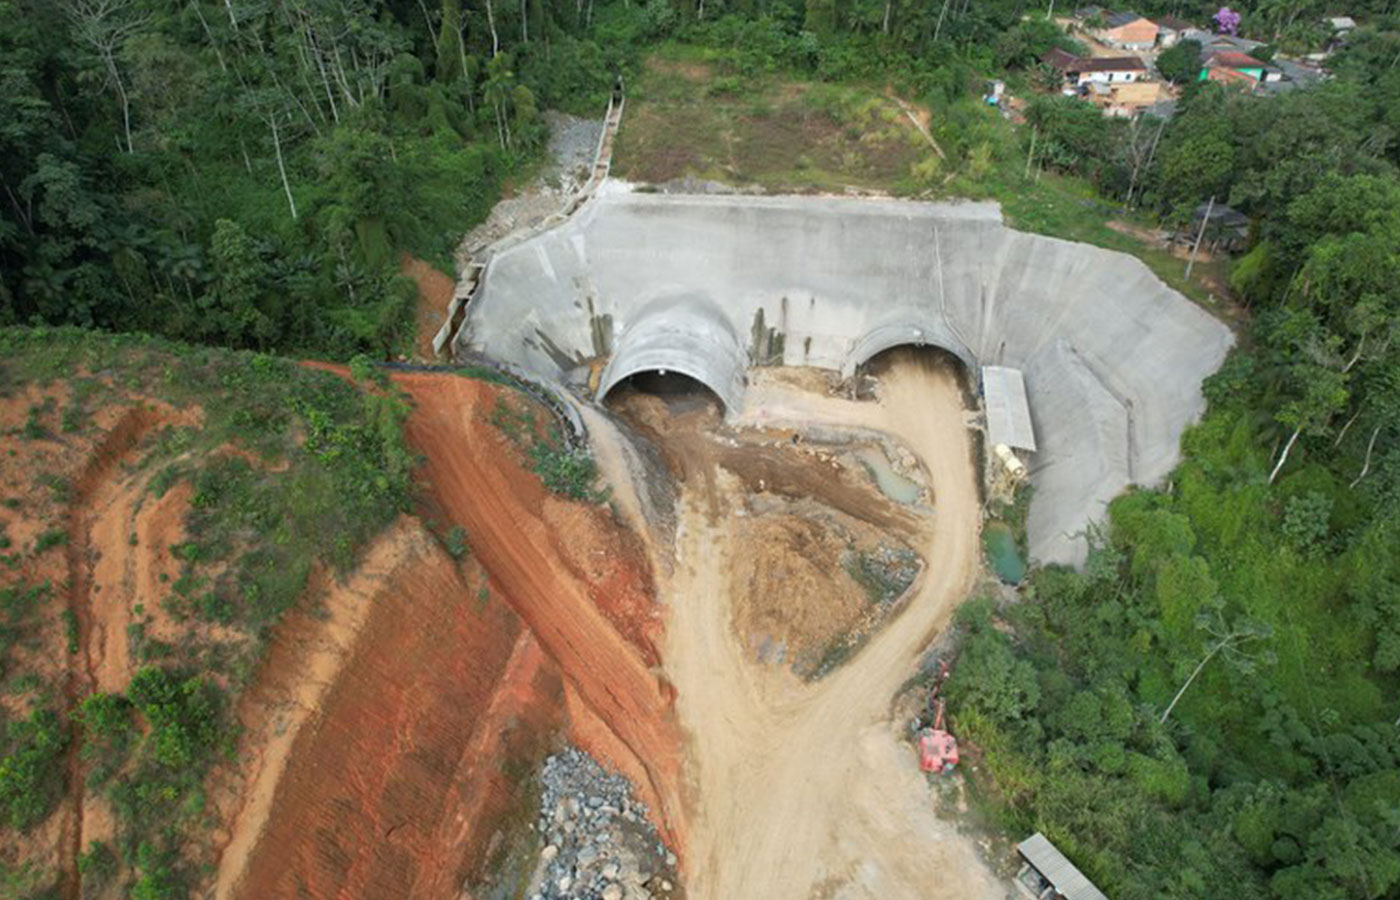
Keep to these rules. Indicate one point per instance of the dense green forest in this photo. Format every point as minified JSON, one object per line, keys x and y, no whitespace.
{"x":1208,"y":710}
{"x":247,"y":173}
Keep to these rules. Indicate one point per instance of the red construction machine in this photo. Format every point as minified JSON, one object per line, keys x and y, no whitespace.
{"x":938,"y":750}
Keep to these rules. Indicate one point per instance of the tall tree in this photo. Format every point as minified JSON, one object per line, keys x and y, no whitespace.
{"x":105,"y":27}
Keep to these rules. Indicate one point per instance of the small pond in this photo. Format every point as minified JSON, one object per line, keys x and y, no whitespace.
{"x":1002,"y":552}
{"x":891,"y":483}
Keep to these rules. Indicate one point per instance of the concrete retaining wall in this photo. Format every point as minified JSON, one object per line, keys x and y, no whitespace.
{"x":709,"y":285}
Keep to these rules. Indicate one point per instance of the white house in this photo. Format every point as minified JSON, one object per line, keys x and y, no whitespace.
{"x":1109,"y":70}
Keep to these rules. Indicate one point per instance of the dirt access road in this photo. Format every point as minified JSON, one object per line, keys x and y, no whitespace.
{"x":804,"y":790}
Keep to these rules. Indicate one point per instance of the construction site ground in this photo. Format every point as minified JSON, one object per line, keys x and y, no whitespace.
{"x":391,"y":734}
{"x":729,"y":631}
{"x":804,"y":788}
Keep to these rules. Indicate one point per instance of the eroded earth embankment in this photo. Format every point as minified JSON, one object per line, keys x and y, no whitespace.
{"x":412,"y":777}
{"x":386,"y":733}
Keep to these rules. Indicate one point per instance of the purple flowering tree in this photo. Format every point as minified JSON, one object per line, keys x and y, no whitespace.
{"x":1227,"y":21}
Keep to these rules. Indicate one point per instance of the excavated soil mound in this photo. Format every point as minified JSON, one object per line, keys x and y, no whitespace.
{"x":796,"y":599}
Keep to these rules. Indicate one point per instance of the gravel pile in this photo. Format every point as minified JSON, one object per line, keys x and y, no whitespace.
{"x":573,"y":142}
{"x":598,"y":844}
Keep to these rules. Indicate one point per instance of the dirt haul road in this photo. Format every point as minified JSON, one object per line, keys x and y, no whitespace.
{"x":803,"y":790}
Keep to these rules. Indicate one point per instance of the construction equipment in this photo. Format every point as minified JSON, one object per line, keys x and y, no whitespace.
{"x":938,"y":750}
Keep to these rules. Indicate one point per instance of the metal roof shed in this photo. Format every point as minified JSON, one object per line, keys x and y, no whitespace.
{"x":1067,"y":881}
{"x":1008,"y":411}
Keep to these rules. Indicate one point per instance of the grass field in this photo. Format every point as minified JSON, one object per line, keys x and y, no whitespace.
{"x":688,"y":118}
{"x":692,"y":115}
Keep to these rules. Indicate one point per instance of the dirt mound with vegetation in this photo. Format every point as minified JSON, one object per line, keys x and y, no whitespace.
{"x":163,"y":508}
{"x":234,"y":663}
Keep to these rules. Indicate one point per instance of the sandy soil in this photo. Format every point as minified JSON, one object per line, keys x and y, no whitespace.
{"x":804,"y":790}
{"x":792,"y":596}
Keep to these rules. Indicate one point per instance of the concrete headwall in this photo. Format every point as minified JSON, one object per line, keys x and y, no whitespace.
{"x":710,"y":285}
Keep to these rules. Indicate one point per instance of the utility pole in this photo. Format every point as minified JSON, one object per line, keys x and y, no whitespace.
{"x":1031,"y":154}
{"x":1190,"y":263}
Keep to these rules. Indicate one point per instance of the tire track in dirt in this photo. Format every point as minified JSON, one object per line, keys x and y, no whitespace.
{"x":479,"y":483}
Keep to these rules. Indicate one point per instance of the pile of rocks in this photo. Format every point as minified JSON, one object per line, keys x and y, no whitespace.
{"x":598,"y":844}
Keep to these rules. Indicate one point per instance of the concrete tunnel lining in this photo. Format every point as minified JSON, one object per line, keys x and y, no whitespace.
{"x":830,"y":282}
{"x":924,"y":332}
{"x":687,"y":334}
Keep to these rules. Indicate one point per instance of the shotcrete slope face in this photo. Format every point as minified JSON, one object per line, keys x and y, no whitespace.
{"x":709,"y":286}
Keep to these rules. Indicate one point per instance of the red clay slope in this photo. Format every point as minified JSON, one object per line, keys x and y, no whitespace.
{"x":479,"y":483}
{"x":377,"y":779}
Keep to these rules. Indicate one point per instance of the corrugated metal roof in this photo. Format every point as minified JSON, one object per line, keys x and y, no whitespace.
{"x":1119,"y":19}
{"x":1059,"y":871}
{"x":1008,"y":412}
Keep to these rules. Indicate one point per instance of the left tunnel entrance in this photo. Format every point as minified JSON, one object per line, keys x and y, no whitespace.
{"x":686,"y":337}
{"x":643,"y":398}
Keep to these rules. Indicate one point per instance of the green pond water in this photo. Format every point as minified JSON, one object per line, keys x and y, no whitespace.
{"x":1002,"y":553}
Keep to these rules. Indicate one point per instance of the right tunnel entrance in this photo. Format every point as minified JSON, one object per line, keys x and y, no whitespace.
{"x":925,"y":356}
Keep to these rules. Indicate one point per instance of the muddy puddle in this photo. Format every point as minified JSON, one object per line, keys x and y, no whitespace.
{"x":890,"y":482}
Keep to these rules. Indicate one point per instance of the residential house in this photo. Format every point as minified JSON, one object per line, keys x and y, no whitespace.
{"x":1064,"y":62}
{"x":1297,"y":73}
{"x":1232,"y":67}
{"x":1212,"y":42}
{"x":1128,"y":31}
{"x":1171,"y":30}
{"x":1108,"y":70}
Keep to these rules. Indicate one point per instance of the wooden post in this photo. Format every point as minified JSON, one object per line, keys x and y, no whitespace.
{"x":1190,"y":263}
